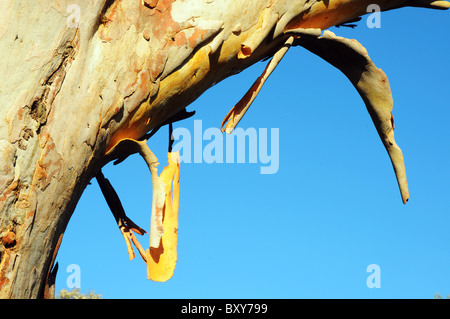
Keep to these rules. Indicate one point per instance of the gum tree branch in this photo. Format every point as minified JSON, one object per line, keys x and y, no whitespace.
{"x":77,"y":79}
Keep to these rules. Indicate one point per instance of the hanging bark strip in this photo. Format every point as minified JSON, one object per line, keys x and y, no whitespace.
{"x":161,"y":256}
{"x":161,"y":260}
{"x":351,"y":58}
{"x":235,"y":115}
{"x":238,"y":111}
{"x":125,"y":224}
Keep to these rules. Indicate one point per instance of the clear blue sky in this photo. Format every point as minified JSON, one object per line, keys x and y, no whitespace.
{"x":332,"y":209}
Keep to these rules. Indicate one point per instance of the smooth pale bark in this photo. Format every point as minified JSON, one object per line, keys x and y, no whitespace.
{"x":72,"y":90}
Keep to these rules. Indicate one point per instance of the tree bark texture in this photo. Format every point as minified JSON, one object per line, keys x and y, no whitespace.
{"x":78,"y":77}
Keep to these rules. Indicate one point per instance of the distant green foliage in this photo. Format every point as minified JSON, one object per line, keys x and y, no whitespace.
{"x":438,"y":296}
{"x":76,"y":294}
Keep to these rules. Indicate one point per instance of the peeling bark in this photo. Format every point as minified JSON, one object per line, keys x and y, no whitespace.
{"x":73,"y":89}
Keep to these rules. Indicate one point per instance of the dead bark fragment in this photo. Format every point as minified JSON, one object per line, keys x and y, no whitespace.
{"x":371,"y":83}
{"x":125,"y":224}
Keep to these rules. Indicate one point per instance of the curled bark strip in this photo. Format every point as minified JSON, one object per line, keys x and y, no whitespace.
{"x":267,"y":20}
{"x":238,"y":111}
{"x":158,"y":198}
{"x":372,"y":84}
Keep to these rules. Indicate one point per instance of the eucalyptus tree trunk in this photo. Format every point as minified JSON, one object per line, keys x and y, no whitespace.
{"x":80,"y":77}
